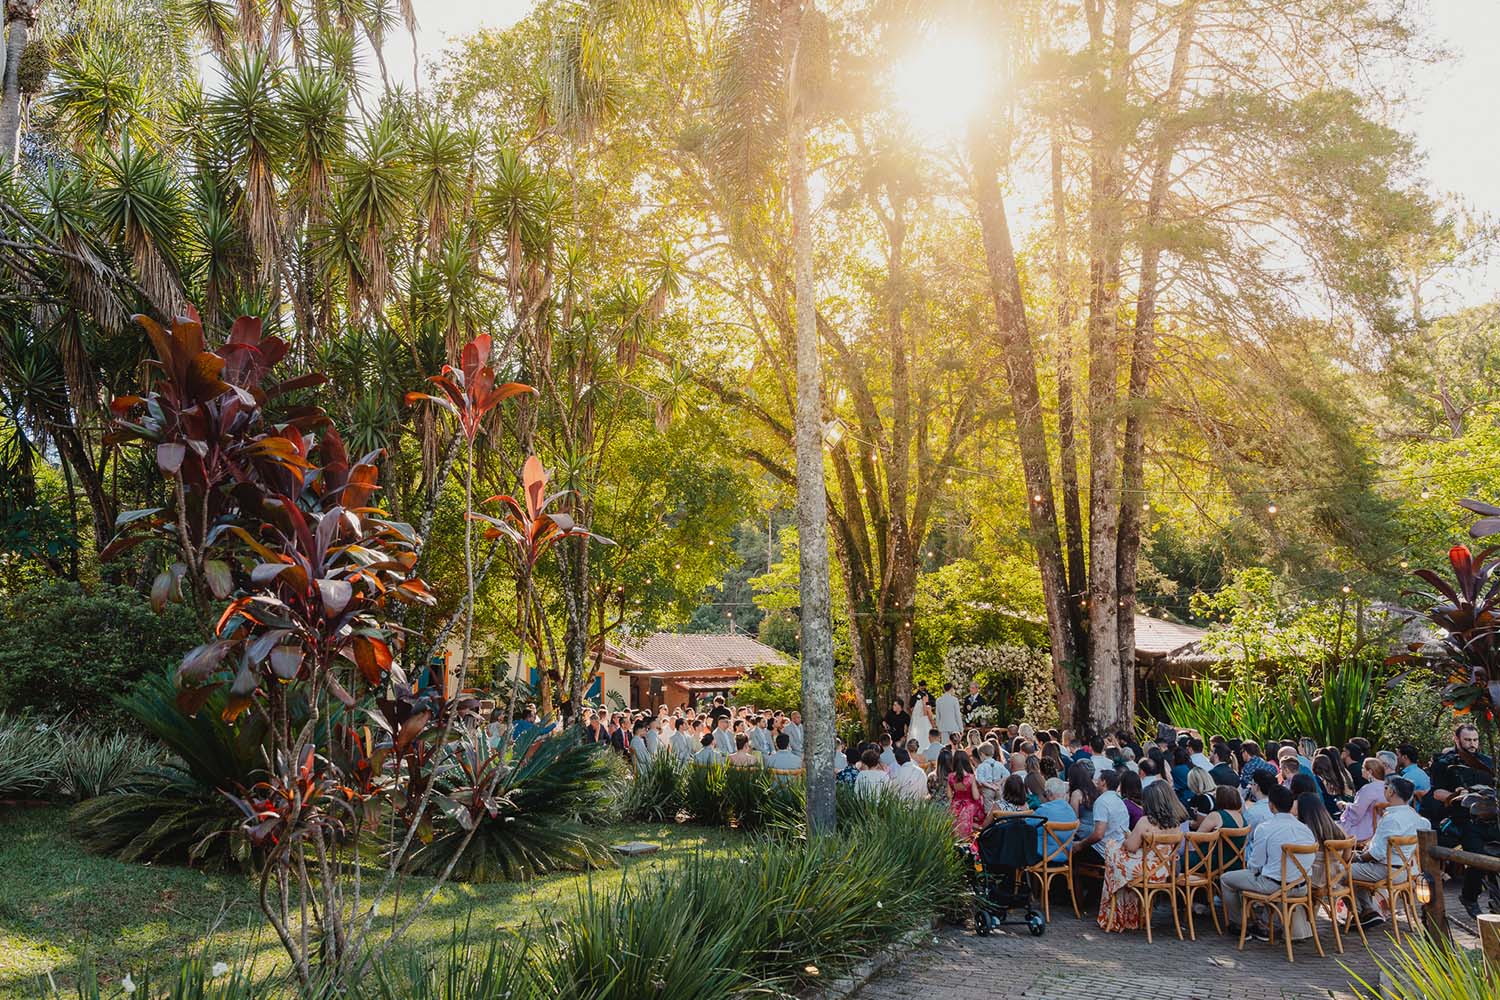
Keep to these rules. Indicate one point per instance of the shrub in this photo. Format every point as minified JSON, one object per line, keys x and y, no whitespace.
{"x":94,"y":764}
{"x":703,"y":794}
{"x":178,"y":811}
{"x":30,"y":756}
{"x":461,"y":971}
{"x":65,"y":651}
{"x":546,"y":811}
{"x":1423,"y":969}
{"x":1412,"y":711}
{"x":655,"y":794}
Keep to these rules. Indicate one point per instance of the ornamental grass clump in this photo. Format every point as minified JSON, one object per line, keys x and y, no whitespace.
{"x":655,"y":795}
{"x":30,"y":756}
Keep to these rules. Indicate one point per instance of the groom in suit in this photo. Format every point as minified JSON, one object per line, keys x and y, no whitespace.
{"x":949,"y":714}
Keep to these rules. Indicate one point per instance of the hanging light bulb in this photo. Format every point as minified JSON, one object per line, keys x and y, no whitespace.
{"x":1036,"y":498}
{"x":949,"y":480}
{"x":1348,"y":589}
{"x":1272,"y":509}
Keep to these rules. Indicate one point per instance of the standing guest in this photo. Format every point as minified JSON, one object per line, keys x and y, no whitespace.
{"x":990,"y":776}
{"x":1262,"y":871}
{"x":682,"y":741}
{"x":1360,"y":815}
{"x":708,"y":754}
{"x":619,"y":738}
{"x":1398,"y":820}
{"x":909,"y":780}
{"x":793,"y":730}
{"x":1252,"y":761}
{"x":719,"y":711}
{"x":972,"y":700}
{"x":968,"y":810}
{"x":872,"y":779}
{"x":593,"y":729}
{"x":743,"y":756}
{"x":1223,"y":771}
{"x":640,"y":748}
{"x":950,"y":717}
{"x":723,"y":737}
{"x":653,"y":739}
{"x":1119,"y":906}
{"x":897,"y":721}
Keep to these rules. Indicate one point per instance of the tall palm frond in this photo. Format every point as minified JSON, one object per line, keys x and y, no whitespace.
{"x":376,"y":187}
{"x":212,"y":20}
{"x":247,"y":118}
{"x":749,"y":94}
{"x":380,"y":18}
{"x":440,"y":158}
{"x":140,"y":201}
{"x":97,"y":97}
{"x":314,"y":106}
{"x":68,"y":217}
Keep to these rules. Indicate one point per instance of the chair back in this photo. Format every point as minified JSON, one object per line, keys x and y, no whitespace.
{"x":1232,"y":843}
{"x":1406,"y":849}
{"x":1055,"y":840}
{"x":1338,"y":860}
{"x":788,"y":772}
{"x":1297,"y":862}
{"x":1159,"y":853}
{"x":1198,"y":865}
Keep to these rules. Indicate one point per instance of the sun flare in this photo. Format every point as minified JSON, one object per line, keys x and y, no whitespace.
{"x":941,"y":85}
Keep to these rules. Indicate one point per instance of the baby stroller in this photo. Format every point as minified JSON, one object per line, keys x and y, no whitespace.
{"x":1002,"y":891}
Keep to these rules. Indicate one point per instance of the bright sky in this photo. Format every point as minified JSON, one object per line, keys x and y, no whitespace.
{"x":1455,"y":113}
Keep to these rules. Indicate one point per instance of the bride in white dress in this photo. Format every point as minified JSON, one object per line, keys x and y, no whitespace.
{"x":921,"y":720}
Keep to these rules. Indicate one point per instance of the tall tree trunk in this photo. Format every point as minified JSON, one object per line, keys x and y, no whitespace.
{"x":1026,"y":400}
{"x":1067,"y":419}
{"x":20,"y":18}
{"x":812,"y":498}
{"x":1142,"y":361}
{"x":1106,"y":246}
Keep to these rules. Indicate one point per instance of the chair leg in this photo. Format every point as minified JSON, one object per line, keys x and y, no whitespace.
{"x":1354,"y":915}
{"x":1073,"y":893}
{"x":1391,"y":901}
{"x":1176,"y":921}
{"x":1046,"y":879}
{"x":1286,"y":929}
{"x":1244,"y":919}
{"x":1312,"y":919}
{"x":1213,"y":911}
{"x":1192,"y":891}
{"x":1145,"y":895}
{"x":1333,"y":918}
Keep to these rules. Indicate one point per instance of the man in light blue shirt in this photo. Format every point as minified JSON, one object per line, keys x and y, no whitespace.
{"x":723,"y":737}
{"x":1406,"y":758}
{"x":1262,"y":871}
{"x":990,"y":775}
{"x":1398,"y":820}
{"x":1111,"y":819}
{"x":783,"y":759}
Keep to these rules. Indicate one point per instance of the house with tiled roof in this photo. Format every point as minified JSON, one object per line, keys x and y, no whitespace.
{"x":665,"y":668}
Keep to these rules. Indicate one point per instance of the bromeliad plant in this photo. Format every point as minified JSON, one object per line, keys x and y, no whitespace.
{"x":270,"y":514}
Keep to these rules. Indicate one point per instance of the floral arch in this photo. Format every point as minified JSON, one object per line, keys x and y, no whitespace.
{"x":1032,"y":666}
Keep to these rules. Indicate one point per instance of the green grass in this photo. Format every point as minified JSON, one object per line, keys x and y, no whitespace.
{"x":60,"y":904}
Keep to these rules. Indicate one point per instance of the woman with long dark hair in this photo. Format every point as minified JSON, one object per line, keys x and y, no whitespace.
{"x":966,"y":803}
{"x":1081,"y":795}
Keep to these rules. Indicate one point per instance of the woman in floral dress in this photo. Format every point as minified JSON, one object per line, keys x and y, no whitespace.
{"x":1119,"y":907}
{"x":967,"y":806}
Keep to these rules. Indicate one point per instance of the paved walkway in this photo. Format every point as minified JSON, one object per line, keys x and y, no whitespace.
{"x":1074,"y":960}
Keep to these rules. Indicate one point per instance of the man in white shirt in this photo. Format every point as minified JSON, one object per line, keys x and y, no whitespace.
{"x":793,"y":730}
{"x":1096,"y":750}
{"x":872,"y":778}
{"x":909,"y":780}
{"x":950,"y":717}
{"x":1262,"y":871}
{"x":1111,"y":818}
{"x":640,"y":747}
{"x":1398,"y":820}
{"x":932,"y":749}
{"x":723,"y":737}
{"x":1196,"y":755}
{"x":1257,"y":806}
{"x":990,"y":775}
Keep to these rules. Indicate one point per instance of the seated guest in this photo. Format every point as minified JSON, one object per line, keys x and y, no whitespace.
{"x":709,"y":754}
{"x":1119,"y":907}
{"x":1251,"y":761}
{"x":1359,"y":816}
{"x":783,"y":759}
{"x":1052,"y":751}
{"x":1262,"y":871}
{"x":1013,"y":796}
{"x":1054,"y":808}
{"x":1411,"y":770}
{"x":1258,"y":808}
{"x":1200,"y":792}
{"x":1036,"y":784}
{"x":933,"y":749}
{"x":849,"y":773}
{"x":1082,"y":791}
{"x":872,"y":778}
{"x":887,"y":758}
{"x":1228,"y":814}
{"x":1181,"y":767}
{"x":909,"y":780}
{"x":1132,"y":792}
{"x":1289,"y":768}
{"x":1150,"y":771}
{"x":1223,"y":771}
{"x":1352,"y":756}
{"x":1111,"y":819}
{"x":1398,"y":820}
{"x":1196,"y":756}
{"x":1097,"y":756}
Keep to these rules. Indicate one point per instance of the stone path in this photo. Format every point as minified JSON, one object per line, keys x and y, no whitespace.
{"x":1075,"y":960}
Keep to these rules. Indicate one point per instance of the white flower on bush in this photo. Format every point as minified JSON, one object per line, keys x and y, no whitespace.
{"x":219,"y":968}
{"x":127,"y":984}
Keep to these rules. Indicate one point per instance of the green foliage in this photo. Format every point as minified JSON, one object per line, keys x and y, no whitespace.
{"x":547,"y":816}
{"x":771,"y":686}
{"x":1340,"y":706}
{"x":70,"y":651}
{"x":966,"y":602}
{"x":193,"y":978}
{"x":460,"y":970}
{"x":780,"y":630}
{"x":1425,"y":969}
{"x":95,"y":763}
{"x":655,"y":792}
{"x":1412,"y":711}
{"x":30,"y":757}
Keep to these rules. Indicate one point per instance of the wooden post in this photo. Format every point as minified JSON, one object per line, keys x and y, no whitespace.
{"x":1489,"y":938}
{"x":1435,"y":913}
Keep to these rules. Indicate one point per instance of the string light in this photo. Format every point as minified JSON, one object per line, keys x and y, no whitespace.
{"x":1426,"y":494}
{"x":1271,"y":509}
{"x":1347,"y":589}
{"x":1036,"y":498}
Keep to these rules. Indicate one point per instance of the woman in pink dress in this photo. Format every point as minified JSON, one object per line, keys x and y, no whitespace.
{"x":967,"y":806}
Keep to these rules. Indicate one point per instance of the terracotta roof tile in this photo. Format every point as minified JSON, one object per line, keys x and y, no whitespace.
{"x":666,"y":652}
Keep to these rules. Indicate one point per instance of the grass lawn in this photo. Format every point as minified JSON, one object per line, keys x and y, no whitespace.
{"x":60,"y":904}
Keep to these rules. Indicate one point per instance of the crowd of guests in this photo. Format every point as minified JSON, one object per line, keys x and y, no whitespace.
{"x":742,"y":736}
{"x":1120,"y":792}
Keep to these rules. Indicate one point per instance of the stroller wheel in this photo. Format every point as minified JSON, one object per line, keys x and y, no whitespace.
{"x":981,"y":923}
{"x":1036,"y":924}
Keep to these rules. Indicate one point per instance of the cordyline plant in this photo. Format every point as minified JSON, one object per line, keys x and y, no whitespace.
{"x":1466,"y":614}
{"x":272,"y":516}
